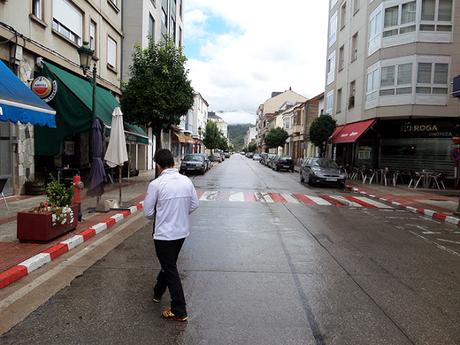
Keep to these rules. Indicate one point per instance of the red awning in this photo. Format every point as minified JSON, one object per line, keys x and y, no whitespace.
{"x":351,"y":132}
{"x":336,"y":132}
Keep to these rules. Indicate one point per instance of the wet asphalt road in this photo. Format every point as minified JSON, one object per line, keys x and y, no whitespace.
{"x":269,"y":273}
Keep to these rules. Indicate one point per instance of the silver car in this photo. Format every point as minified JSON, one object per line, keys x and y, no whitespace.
{"x":322,"y":171}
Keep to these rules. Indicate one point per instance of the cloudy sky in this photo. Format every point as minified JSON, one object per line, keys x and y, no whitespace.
{"x":240,"y":51}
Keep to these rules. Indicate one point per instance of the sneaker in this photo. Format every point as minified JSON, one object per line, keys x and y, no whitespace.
{"x":169,"y":315}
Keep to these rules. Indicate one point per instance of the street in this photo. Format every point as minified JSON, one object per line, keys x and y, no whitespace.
{"x":270,"y":261}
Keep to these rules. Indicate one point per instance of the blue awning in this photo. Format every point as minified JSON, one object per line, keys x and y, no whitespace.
{"x":19,"y":103}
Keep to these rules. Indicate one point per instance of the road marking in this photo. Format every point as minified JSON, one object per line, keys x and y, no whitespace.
{"x":276,"y":197}
{"x":448,"y":241}
{"x":333,"y":201}
{"x":318,"y":201}
{"x":266,"y":197}
{"x":372,"y":202}
{"x":436,"y":244}
{"x":209,"y":196}
{"x":289,"y":198}
{"x":346,"y":201}
{"x":236,"y":197}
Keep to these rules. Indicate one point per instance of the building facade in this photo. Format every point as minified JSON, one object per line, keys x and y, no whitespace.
{"x":40,"y":34}
{"x":390,"y":64}
{"x":194,"y":124}
{"x":221,"y":124}
{"x":250,"y":136}
{"x":144,"y":20}
{"x":267,"y":113}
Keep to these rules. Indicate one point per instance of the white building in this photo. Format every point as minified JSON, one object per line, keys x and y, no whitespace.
{"x":250,"y":136}
{"x":194,"y":123}
{"x":221,"y":124}
{"x":390,"y":64}
{"x":144,"y":20}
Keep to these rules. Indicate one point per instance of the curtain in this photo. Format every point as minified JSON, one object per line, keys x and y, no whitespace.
{"x":405,"y":74}
{"x":424,"y":73}
{"x":408,"y":12}
{"x":388,"y":76}
{"x":391,"y":16}
{"x":441,"y":73}
{"x":445,"y":10}
{"x":428,"y":8}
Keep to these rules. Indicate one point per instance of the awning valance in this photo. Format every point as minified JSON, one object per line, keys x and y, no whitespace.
{"x":73,"y":104}
{"x":351,"y":132}
{"x":19,"y":104}
{"x":184,"y":139}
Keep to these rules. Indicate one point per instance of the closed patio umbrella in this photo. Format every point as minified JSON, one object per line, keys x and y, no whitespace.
{"x":97,"y":172}
{"x":116,"y":153}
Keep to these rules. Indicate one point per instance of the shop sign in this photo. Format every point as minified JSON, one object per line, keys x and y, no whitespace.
{"x":44,"y":88}
{"x":419,"y":128}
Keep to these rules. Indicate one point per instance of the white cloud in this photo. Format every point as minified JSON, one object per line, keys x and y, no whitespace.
{"x":275,"y":45}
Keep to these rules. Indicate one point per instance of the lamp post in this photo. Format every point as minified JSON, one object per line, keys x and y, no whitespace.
{"x":199,"y":136}
{"x":86,"y":55}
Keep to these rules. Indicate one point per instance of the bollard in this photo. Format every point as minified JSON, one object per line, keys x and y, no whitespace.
{"x":77,"y":187}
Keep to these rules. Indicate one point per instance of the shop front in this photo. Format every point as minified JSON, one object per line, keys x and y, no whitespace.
{"x":418,"y":144}
{"x":67,"y":145}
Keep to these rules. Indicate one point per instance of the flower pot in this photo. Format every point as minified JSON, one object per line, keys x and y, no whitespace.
{"x":38,"y":227}
{"x":34,"y":188}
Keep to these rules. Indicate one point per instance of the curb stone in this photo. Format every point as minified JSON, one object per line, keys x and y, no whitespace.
{"x":33,"y":263}
{"x":440,"y":216}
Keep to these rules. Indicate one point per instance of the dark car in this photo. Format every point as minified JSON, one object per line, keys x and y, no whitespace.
{"x":193,"y":164}
{"x":283,"y":163}
{"x":227,"y":154}
{"x":206,"y":159}
{"x":322,"y":170}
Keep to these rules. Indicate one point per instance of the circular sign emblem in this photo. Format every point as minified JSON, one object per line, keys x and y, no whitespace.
{"x":44,"y":88}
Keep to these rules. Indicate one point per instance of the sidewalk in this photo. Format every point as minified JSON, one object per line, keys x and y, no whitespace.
{"x":13,"y":252}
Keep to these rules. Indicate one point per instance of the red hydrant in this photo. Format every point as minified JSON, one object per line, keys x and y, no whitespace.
{"x":77,"y":187}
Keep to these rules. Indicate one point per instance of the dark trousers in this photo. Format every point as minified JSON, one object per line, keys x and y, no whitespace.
{"x":167,"y":253}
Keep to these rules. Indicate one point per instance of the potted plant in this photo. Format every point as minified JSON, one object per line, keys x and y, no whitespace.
{"x":34,"y":187}
{"x":51,"y":218}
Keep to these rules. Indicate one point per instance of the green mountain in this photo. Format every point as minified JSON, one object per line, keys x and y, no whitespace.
{"x":236,"y":134}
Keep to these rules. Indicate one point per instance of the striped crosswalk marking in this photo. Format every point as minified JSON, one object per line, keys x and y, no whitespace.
{"x":293,"y":198}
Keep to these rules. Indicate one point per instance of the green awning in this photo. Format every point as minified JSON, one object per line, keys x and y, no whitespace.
{"x":73,"y":105}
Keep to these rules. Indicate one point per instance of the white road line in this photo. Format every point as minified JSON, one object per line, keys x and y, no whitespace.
{"x":289,"y":198}
{"x":209,"y":196}
{"x":319,"y":201}
{"x":373,"y":202}
{"x":347,"y":202}
{"x":236,"y":197}
{"x":448,"y":241}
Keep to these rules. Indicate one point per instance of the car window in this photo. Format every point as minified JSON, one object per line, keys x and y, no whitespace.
{"x":314,"y":163}
{"x":327,"y":163}
{"x":193,"y":158}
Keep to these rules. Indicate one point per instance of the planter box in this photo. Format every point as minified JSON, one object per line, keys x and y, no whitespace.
{"x":37,"y":227}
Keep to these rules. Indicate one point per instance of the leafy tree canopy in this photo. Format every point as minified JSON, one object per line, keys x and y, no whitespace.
{"x":276,"y":137}
{"x":252,"y":147}
{"x":158,"y":92}
{"x":321,"y":129}
{"x":212,"y":136}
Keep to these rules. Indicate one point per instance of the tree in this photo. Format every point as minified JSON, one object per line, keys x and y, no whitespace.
{"x":252,"y":147}
{"x":276,"y":137}
{"x":320,"y":131}
{"x":158,"y":92}
{"x":211,"y":136}
{"x":222,"y":142}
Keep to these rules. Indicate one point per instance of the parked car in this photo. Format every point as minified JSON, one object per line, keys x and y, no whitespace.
{"x":270,"y":159}
{"x":263,"y":156}
{"x":283,"y":163}
{"x":193,"y":163}
{"x":256,"y":157}
{"x":206,"y":159}
{"x":216,"y":157}
{"x":322,"y":171}
{"x":227,"y":154}
{"x":250,"y":154}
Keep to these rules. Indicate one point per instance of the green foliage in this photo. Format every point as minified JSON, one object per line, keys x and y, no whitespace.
{"x":276,"y":137}
{"x":212,"y":136}
{"x":251,"y":147}
{"x":236,"y":134}
{"x":58,"y":194}
{"x":158,"y":92}
{"x":222,"y":143}
{"x":321,"y":129}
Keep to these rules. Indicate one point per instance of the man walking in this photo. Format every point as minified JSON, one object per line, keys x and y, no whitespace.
{"x":170,"y":199}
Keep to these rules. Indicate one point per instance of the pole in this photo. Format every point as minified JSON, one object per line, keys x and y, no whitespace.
{"x":94,"y":91}
{"x":119,"y":184}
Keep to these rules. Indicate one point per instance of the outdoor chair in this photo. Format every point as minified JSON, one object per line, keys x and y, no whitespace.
{"x":369,"y":174}
{"x":3,"y":181}
{"x":438,"y":181}
{"x":415,"y":179}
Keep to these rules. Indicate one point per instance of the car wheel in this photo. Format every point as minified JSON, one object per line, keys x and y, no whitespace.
{"x":302,"y":180}
{"x":277,"y":169}
{"x":309,"y":182}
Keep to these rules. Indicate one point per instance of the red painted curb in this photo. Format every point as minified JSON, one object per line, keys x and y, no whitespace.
{"x":11,"y":275}
{"x":110,"y":222}
{"x":87,"y":234}
{"x":57,"y":250}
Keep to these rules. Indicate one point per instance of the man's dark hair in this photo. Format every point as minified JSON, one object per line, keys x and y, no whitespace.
{"x":164,"y":158}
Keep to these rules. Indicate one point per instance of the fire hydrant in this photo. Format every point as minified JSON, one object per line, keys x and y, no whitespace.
{"x":77,"y":187}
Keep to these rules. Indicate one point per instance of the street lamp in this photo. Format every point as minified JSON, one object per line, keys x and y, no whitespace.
{"x":86,"y":56}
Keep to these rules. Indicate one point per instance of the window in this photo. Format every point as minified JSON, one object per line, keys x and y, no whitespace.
{"x":356,"y":6}
{"x":173,"y":29}
{"x":436,"y":15}
{"x":333,"y":29}
{"x":180,"y":8}
{"x":92,"y":35}
{"x":330,"y":102}
{"x":372,"y":84}
{"x":428,"y":9}
{"x":400,"y":19}
{"x":180,"y":37}
{"x":351,"y":99}
{"x":37,"y":8}
{"x":151,"y":28}
{"x":68,"y":20}
{"x":343,"y":15}
{"x":330,"y":68}
{"x":111,"y":53}
{"x":354,"y":47}
{"x":341,"y":57}
{"x":339,"y":101}
{"x":375,"y":31}
{"x":396,"y":79}
{"x":432,"y":78}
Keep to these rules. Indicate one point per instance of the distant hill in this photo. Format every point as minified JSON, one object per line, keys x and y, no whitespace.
{"x":236,"y":134}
